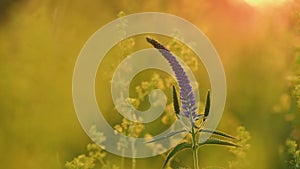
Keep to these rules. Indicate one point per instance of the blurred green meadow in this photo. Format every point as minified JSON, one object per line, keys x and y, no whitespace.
{"x":40,"y":42}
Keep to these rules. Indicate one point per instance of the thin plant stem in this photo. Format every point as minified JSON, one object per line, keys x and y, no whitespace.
{"x":195,"y":158}
{"x":102,"y":162}
{"x":131,"y":130}
{"x":133,"y":161}
{"x":195,"y":149}
{"x":122,"y":158}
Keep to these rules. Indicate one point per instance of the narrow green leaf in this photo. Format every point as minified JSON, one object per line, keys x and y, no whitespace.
{"x":218,"y":133}
{"x":207,"y":105}
{"x":218,"y":142}
{"x":175,"y":102}
{"x":166,"y":136}
{"x":176,"y":149}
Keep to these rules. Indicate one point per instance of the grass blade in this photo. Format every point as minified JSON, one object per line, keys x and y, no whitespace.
{"x":175,"y":150}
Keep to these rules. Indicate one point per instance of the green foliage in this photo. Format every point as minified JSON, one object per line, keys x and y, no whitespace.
{"x":297,"y":55}
{"x":95,"y":158}
{"x":297,"y":93}
{"x":240,"y":152}
{"x":297,"y":85}
{"x":127,"y":44}
{"x":81,"y":162}
{"x":294,"y":154}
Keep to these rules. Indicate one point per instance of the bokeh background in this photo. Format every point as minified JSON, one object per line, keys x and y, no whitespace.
{"x":40,"y":40}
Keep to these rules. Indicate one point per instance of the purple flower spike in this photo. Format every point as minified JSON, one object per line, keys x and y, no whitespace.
{"x":186,"y":92}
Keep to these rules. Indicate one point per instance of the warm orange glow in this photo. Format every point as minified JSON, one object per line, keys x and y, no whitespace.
{"x":264,"y":2}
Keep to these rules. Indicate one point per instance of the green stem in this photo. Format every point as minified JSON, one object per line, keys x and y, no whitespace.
{"x":131,"y":131}
{"x":195,"y":157}
{"x":195,"y":149}
{"x":102,"y":162}
{"x":133,"y":162}
{"x":122,"y":158}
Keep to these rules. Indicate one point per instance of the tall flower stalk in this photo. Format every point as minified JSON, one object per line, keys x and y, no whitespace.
{"x":186,"y":92}
{"x":188,"y":110}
